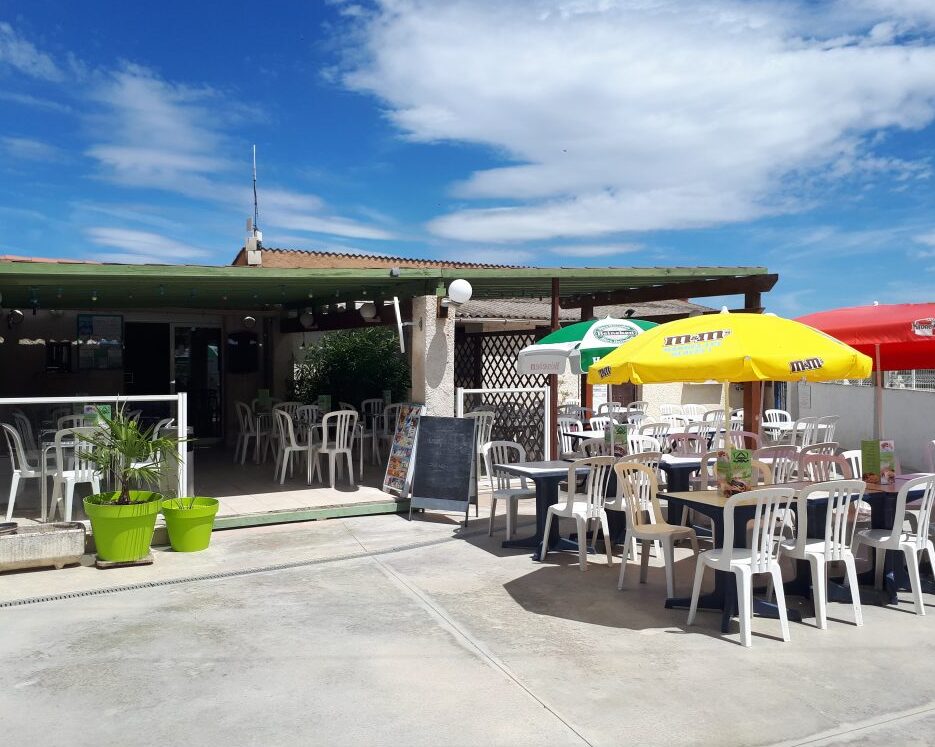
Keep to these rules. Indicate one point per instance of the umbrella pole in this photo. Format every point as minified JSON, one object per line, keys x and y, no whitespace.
{"x":727,"y":442}
{"x":877,"y":396}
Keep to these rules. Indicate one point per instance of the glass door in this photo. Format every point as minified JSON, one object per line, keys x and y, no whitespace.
{"x":196,"y":361}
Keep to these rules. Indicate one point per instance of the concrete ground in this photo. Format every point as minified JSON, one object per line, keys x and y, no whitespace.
{"x":383,"y":631}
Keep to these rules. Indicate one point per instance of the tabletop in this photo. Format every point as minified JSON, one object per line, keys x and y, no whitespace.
{"x":554,"y":468}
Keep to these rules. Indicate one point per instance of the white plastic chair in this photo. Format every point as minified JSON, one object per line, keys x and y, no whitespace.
{"x":347,"y":406}
{"x":825,"y":427}
{"x":289,"y":446}
{"x":930,"y":455}
{"x":771,"y":512}
{"x":388,"y":424}
{"x":72,"y":451}
{"x":676,"y":423}
{"x":774,"y":417}
{"x":501,"y":489}
{"x":291,"y":408}
{"x":739,"y":439}
{"x":592,"y":447}
{"x":566,"y":444}
{"x":637,"y":443}
{"x":637,"y":494}
{"x":823,"y":449}
{"x":248,"y":430}
{"x":824,"y":468}
{"x":589,"y":508}
{"x":74,"y":421}
{"x":483,"y":427}
{"x":337,"y":438}
{"x":671,"y":409}
{"x":910,"y":543}
{"x":639,"y":405}
{"x":601,"y":422}
{"x":608,"y":408}
{"x":634,"y":417}
{"x":840,"y":521}
{"x":782,"y":461}
{"x":694,"y":412}
{"x":803,"y":432}
{"x":23,"y":426}
{"x":657,"y":430}
{"x":686,"y":444}
{"x":19,"y":463}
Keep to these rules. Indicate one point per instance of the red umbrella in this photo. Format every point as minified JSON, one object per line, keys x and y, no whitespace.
{"x":897,"y":337}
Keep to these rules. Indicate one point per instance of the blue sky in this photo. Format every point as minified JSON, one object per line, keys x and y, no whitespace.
{"x":796,"y":135}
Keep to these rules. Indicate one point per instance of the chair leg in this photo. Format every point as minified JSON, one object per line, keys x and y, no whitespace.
{"x":669,"y":555}
{"x":850,"y":565}
{"x":623,"y":560}
{"x":879,"y":557}
{"x":912,"y":564}
{"x":582,"y":542}
{"x":545,"y":535}
{"x":776,"y":573}
{"x":14,"y":488}
{"x":69,"y":497}
{"x":286,"y":462}
{"x":350,"y":469}
{"x":608,"y":545}
{"x":744,"y":593}
{"x":696,"y":589}
{"x":331,"y":468}
{"x":493,"y":513}
{"x":819,"y":590}
{"x":644,"y":559}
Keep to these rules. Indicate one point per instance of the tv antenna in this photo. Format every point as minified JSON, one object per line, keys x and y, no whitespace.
{"x":256,"y":208}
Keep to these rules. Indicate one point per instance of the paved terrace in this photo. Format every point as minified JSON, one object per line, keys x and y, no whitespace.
{"x":381,"y":631}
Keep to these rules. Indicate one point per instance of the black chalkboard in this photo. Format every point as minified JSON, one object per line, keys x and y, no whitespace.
{"x":444,"y":460}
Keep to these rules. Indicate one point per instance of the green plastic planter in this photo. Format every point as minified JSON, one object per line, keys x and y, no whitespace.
{"x":190,"y":528}
{"x":123,"y":533}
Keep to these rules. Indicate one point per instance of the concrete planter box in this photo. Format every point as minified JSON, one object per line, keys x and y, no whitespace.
{"x":41,"y":545}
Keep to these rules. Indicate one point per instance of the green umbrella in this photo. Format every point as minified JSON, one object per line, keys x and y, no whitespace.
{"x":579,"y":344}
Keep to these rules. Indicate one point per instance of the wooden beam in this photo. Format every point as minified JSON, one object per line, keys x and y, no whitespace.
{"x":587,"y":311}
{"x":752,"y":390}
{"x":745,"y":284}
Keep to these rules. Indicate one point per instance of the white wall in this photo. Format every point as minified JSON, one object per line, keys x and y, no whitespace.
{"x":908,"y":417}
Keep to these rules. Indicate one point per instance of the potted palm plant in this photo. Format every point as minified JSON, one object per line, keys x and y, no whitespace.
{"x":131,"y":459}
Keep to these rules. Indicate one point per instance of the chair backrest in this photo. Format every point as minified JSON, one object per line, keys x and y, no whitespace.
{"x":930,"y":455}
{"x":390,"y":416}
{"x":694,"y":412}
{"x":72,"y":421}
{"x":825,"y":427}
{"x":671,"y":409}
{"x":291,"y":408}
{"x":825,"y":447}
{"x":707,"y":474}
{"x":804,"y":432}
{"x":637,"y":443}
{"x":502,"y":452}
{"x":782,"y":461}
{"x":777,"y":416}
{"x":483,"y":426}
{"x":606,"y":408}
{"x":372,"y":407}
{"x":245,"y":416}
{"x":739,"y":439}
{"x":699,"y":430}
{"x":840,"y":518}
{"x":133,"y":415}
{"x":24,"y":428}
{"x":164,"y":424}
{"x":771,"y":516}
{"x":926,"y":484}
{"x":595,"y":486}
{"x":337,"y":429}
{"x":714,"y":417}
{"x":307,"y":415}
{"x":650,"y":459}
{"x":285,"y":428}
{"x":634,"y":417}
{"x":600,"y":422}
{"x":640,"y":405}
{"x":68,"y":442}
{"x":824,"y":467}
{"x":568,"y":425}
{"x":656,"y":430}
{"x":762,"y":474}
{"x":855,"y":460}
{"x":346,"y":406}
{"x":637,"y":492}
{"x":591,"y":447}
{"x":573,"y":410}
{"x":686,"y":443}
{"x":676,"y":422}
{"x":14,"y":445}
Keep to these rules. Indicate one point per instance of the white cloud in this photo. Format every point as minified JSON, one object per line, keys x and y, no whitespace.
{"x":29,"y":149}
{"x":23,"y":56}
{"x":36,"y":102}
{"x":142,"y":247}
{"x":926,"y":238}
{"x":638,"y":116}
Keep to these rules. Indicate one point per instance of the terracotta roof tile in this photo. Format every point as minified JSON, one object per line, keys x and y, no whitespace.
{"x":308,"y":259}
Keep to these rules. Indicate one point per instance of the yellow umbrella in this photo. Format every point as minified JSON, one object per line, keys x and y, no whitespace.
{"x":730,"y":348}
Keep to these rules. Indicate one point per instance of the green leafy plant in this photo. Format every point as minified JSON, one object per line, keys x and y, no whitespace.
{"x":128,"y":455}
{"x":352,"y":366}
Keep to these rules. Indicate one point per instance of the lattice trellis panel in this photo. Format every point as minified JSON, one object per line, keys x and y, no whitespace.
{"x":488,"y":361}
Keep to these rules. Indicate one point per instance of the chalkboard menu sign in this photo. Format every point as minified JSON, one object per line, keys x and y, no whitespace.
{"x":399,"y":464}
{"x":444,"y":461}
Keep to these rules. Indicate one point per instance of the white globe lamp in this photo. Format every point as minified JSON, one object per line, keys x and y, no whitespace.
{"x":459,"y":292}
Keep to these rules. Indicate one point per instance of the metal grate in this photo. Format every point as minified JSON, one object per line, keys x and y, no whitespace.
{"x":920,"y":380}
{"x":488,"y":361}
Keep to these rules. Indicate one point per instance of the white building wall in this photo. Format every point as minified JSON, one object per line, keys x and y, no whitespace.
{"x":908,"y":416}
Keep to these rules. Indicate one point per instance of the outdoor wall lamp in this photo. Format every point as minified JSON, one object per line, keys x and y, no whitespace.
{"x":368,"y":311}
{"x":249,"y":322}
{"x":459,"y":293}
{"x":307,"y":319}
{"x":14,"y":318}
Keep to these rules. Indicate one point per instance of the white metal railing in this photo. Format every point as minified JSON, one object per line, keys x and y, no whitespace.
{"x":181,"y":417}
{"x":547,"y":409}
{"x":920,"y":380}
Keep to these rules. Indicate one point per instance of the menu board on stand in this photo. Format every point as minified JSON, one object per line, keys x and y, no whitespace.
{"x":399,"y":464}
